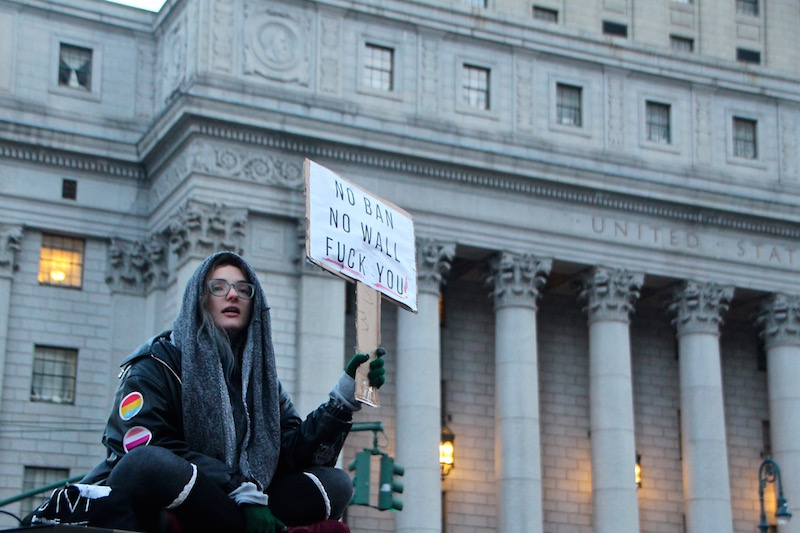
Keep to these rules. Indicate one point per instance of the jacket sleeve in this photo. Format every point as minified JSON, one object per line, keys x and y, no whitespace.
{"x":147,"y":412}
{"x":315,"y":441}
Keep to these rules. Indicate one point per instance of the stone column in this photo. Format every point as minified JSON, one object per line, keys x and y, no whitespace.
{"x":780,"y":323}
{"x":609,"y":295}
{"x":418,"y":402}
{"x":698,"y":310}
{"x":320,"y":335}
{"x":515,"y":280}
{"x":10,"y":239}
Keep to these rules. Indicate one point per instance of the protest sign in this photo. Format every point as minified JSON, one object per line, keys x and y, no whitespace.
{"x":364,"y":238}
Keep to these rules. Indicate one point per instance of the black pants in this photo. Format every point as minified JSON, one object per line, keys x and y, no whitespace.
{"x":150,"y":479}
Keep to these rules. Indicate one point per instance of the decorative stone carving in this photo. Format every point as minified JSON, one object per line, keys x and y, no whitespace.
{"x":223,"y":31}
{"x":698,"y":307}
{"x":515,"y":279}
{"x":10,"y":243}
{"x":137,"y":267}
{"x":145,"y":93}
{"x":277,"y":44}
{"x":433,"y":263}
{"x":196,"y":158}
{"x":199,"y":229}
{"x":616,"y":113}
{"x":257,"y":167}
{"x":610,"y":293}
{"x":779,"y":320}
{"x":173,"y":59}
{"x":330,"y":36}
{"x":702,"y":121}
{"x":524,"y":94}
{"x":429,"y":82}
{"x":789,"y":159}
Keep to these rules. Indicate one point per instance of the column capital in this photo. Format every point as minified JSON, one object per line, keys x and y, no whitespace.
{"x":135,"y":267}
{"x":434,"y":259}
{"x":199,"y":229}
{"x":698,"y":307}
{"x":515,"y":279}
{"x":779,"y":320}
{"x":10,"y":242}
{"x":609,"y":293}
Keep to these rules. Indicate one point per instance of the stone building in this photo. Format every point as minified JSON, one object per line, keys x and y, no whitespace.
{"x":605,"y":196}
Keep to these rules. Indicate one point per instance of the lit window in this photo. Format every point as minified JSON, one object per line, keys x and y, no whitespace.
{"x":545,"y":14}
{"x":747,"y":7}
{"x":75,"y":67}
{"x":568,"y":105}
{"x":378,"y":67}
{"x":681,"y":44}
{"x":61,"y":261}
{"x":744,"y":55}
{"x":658,"y":130}
{"x":54,"y":371}
{"x":34,"y":478}
{"x":476,"y":87}
{"x":745,"y":144}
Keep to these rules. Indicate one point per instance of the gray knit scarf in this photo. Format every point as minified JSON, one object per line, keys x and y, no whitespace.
{"x":207,"y":411}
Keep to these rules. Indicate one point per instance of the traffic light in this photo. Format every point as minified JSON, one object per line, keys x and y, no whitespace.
{"x":361,"y":478}
{"x":388,"y":486}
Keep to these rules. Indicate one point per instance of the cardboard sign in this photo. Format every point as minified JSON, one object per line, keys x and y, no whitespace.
{"x":360,"y":236}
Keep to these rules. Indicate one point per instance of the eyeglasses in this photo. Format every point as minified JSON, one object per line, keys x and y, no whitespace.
{"x":220,"y":288}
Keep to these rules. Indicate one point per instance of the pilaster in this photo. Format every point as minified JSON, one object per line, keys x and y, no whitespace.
{"x":10,"y":242}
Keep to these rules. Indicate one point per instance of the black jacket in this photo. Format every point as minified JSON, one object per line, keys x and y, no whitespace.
{"x":148,"y":410}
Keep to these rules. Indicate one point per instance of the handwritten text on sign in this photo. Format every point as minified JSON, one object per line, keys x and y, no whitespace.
{"x":360,"y":236}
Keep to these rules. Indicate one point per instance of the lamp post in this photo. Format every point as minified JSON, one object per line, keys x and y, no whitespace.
{"x":769,"y":472}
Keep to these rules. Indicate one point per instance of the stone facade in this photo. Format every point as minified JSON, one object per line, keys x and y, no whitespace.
{"x":639,"y":237}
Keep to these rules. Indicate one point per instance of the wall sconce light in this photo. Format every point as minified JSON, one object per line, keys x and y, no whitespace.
{"x":769,"y":472}
{"x":638,"y":471}
{"x":446,"y":451}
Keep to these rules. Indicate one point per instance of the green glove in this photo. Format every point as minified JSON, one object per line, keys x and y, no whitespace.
{"x":376,"y":374}
{"x":261,"y":520}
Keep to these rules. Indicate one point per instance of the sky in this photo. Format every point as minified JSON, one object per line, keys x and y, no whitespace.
{"x":150,"y":5}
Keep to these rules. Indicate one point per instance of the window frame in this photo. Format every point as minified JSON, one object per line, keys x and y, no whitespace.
{"x":46,"y":243}
{"x":460,"y":73}
{"x":466,"y":89}
{"x":545,"y":9}
{"x":368,"y":39}
{"x":96,"y":90}
{"x":649,"y":107}
{"x":753,"y":8}
{"x":735,"y":139}
{"x":673,"y":38}
{"x":561,"y":86}
{"x":587,"y":100}
{"x":65,"y":382}
{"x":675,"y":128}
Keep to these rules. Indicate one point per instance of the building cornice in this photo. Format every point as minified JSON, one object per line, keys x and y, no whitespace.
{"x":70,"y":160}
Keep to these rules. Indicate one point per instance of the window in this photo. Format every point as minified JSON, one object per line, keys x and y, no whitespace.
{"x":75,"y":67}
{"x":683,"y":1}
{"x":54,"y":371}
{"x":35,"y":477}
{"x":69,"y":189}
{"x":545,"y":14}
{"x":747,"y":7}
{"x":61,"y":261}
{"x":476,"y":87}
{"x":476,"y":3}
{"x":614,"y":28}
{"x":378,"y":67}
{"x":748,"y":56}
{"x":568,"y":105}
{"x":744,"y":138}
{"x":681,"y":44}
{"x":658,"y":125}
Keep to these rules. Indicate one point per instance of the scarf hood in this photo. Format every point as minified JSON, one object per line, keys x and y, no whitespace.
{"x":207,"y":408}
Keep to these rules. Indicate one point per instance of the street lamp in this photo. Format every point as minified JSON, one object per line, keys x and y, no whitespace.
{"x":446,"y":451}
{"x":769,"y":472}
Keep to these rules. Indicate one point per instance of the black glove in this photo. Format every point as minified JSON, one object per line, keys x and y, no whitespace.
{"x":261,"y":520}
{"x":376,"y":374}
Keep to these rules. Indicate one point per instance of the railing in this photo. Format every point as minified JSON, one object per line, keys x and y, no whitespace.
{"x":34,"y":492}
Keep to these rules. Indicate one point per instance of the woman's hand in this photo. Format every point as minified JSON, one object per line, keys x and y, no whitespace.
{"x":377,"y":372}
{"x":261,"y":520}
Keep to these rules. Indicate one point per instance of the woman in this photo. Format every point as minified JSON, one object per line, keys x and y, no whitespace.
{"x":202,"y":427}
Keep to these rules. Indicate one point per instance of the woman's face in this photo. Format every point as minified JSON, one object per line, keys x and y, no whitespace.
{"x":229,"y":311}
